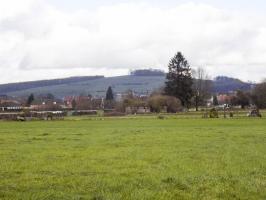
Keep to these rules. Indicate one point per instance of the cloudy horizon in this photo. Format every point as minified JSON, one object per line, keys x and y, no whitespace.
{"x":53,"y":39}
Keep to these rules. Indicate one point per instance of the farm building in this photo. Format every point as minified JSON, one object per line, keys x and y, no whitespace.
{"x":48,"y":105}
{"x":10,"y":106}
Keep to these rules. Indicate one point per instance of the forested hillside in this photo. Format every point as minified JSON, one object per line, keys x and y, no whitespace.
{"x":223,"y":84}
{"x":14,"y":87}
{"x":140,"y":82}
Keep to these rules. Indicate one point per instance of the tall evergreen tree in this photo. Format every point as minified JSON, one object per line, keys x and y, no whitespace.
{"x":179,"y":79}
{"x":30,"y":99}
{"x":109,"y":94}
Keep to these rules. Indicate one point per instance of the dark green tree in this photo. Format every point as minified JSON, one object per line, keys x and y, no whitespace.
{"x":30,"y":99}
{"x":50,"y":96}
{"x":109,"y":94}
{"x":179,"y":80}
{"x":215,"y":100}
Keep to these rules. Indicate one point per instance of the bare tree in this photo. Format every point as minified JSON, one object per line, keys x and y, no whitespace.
{"x":202,"y":87}
{"x":259,"y":95}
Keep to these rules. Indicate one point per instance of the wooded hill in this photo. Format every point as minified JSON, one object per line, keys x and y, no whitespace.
{"x":138,"y":82}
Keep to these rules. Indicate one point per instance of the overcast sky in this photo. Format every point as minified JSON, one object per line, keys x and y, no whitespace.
{"x":43,"y":39}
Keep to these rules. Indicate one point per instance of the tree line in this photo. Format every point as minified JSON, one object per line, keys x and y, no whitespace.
{"x":185,"y":88}
{"x":195,"y":88}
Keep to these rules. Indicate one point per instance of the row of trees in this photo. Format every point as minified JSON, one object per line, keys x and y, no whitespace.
{"x":194,"y":87}
{"x":257,"y":97}
{"x":184,"y":87}
{"x":156,"y":102}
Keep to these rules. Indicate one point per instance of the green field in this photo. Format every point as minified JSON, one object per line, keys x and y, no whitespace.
{"x":137,"y":158}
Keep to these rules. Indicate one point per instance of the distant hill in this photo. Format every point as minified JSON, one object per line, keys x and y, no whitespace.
{"x":147,"y":72}
{"x":139,"y":82}
{"x":14,"y":87}
{"x":94,"y":86}
{"x":223,"y":84}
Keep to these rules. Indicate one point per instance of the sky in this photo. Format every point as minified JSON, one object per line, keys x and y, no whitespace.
{"x":45,"y":39}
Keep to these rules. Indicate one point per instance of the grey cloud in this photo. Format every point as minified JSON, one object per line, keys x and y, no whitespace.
{"x":126,"y":36}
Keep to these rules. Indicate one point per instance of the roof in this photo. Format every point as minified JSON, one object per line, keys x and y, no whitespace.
{"x":9,"y":103}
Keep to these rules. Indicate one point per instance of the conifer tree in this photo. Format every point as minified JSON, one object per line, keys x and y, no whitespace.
{"x":30,"y":99}
{"x":109,"y":94}
{"x":179,"y":79}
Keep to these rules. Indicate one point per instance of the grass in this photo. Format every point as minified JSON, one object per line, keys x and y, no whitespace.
{"x":136,"y":158}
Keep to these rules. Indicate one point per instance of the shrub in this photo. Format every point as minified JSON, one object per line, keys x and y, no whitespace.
{"x":130,"y":102}
{"x":161,"y":117}
{"x":158,"y":102}
{"x":254,"y":113}
{"x":213,"y":113}
{"x":173,"y":104}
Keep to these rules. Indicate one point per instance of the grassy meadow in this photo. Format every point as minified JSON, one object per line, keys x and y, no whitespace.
{"x":133,"y":158}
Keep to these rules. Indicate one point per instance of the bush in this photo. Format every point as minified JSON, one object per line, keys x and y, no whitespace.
{"x":130,"y":102}
{"x":213,"y":113}
{"x":161,"y":117}
{"x":173,"y":104}
{"x":158,"y":102}
{"x":254,"y":113}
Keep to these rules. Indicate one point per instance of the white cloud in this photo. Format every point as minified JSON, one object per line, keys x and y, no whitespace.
{"x":39,"y":41}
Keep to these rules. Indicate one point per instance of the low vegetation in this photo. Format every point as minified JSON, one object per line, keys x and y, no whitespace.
{"x":134,"y":158}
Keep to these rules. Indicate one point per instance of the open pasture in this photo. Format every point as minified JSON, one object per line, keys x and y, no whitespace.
{"x":136,"y":158}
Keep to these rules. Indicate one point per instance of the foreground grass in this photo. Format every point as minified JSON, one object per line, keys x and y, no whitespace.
{"x":134,"y":159}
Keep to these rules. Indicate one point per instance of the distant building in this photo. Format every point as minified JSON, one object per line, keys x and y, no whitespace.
{"x":84,"y":102}
{"x":10,"y":106}
{"x":225,"y":98}
{"x":47,"y":105}
{"x":78,"y":99}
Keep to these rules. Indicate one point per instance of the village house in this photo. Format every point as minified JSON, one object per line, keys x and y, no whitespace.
{"x":10,"y":106}
{"x":84,"y":103}
{"x":47,"y":105}
{"x":225,"y":98}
